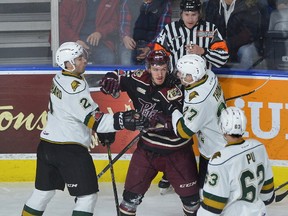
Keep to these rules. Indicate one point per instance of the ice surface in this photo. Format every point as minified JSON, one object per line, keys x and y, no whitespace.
{"x":14,"y":195}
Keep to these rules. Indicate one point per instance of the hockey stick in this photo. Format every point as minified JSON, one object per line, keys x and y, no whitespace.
{"x":248,"y":93}
{"x":113,"y":179}
{"x":123,"y":151}
{"x":281,"y":186}
{"x":280,"y":197}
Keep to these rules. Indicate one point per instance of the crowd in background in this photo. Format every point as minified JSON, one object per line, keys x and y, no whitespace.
{"x":123,"y":31}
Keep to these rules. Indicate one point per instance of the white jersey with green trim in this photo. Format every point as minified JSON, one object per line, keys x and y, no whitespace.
{"x":70,"y":109}
{"x":201,"y":110}
{"x":239,"y":177}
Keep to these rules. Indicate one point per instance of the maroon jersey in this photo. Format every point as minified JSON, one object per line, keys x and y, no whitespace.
{"x":149,"y":99}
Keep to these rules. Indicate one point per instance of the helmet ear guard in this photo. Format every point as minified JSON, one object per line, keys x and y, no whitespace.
{"x":233,"y":121}
{"x":193,"y":65}
{"x":67,"y":52}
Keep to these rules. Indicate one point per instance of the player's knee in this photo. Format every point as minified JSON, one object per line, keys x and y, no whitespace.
{"x":130,"y":202}
{"x":39,"y":199}
{"x":190,"y":204}
{"x":85,"y":203}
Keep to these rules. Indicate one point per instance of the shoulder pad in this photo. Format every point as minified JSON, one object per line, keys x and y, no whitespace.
{"x":70,"y":84}
{"x":141,"y":76}
{"x":199,"y":93}
{"x":138,"y":73}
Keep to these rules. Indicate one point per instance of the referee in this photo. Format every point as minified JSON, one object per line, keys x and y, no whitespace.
{"x":192,"y":35}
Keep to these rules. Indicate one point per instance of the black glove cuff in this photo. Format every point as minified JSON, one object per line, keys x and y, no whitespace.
{"x":118,"y":121}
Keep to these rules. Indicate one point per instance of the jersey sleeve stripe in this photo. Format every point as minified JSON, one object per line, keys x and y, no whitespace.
{"x":213,"y":203}
{"x":219,"y":45}
{"x":268,"y":186}
{"x":182,"y":130}
{"x":89,"y":121}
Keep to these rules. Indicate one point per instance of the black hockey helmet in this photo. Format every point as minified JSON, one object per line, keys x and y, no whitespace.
{"x":157,"y":57}
{"x":190,"y":5}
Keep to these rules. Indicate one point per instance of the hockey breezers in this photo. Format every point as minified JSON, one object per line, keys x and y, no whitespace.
{"x":280,"y":197}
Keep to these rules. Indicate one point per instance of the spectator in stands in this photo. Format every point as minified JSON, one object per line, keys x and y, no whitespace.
{"x":91,"y":24}
{"x":192,"y":35}
{"x":138,"y":30}
{"x":279,"y":17}
{"x":242,"y":24}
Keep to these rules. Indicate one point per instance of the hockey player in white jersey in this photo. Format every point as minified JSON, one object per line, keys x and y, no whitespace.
{"x":62,"y":154}
{"x":239,"y":179}
{"x":203,"y":102}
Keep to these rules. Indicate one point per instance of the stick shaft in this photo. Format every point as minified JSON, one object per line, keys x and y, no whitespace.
{"x":113,"y":180}
{"x":123,"y":151}
{"x":281,"y":186}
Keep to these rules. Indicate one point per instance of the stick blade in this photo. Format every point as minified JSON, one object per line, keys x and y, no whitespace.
{"x":280,"y":197}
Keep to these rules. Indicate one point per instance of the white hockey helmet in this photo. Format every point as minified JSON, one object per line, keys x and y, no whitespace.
{"x":233,"y":121}
{"x":193,"y":65}
{"x":67,"y":52}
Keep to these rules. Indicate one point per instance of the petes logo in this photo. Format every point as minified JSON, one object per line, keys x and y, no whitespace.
{"x":75,"y":84}
{"x":205,"y":34}
{"x":173,"y":94}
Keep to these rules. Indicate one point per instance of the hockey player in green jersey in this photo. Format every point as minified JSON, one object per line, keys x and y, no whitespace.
{"x":62,"y":155}
{"x":239,"y":180}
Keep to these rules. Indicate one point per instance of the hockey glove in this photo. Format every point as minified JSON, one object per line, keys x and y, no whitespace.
{"x":130,"y":120}
{"x":160,"y":121}
{"x":106,"y":138}
{"x":172,"y":80}
{"x":110,"y":84}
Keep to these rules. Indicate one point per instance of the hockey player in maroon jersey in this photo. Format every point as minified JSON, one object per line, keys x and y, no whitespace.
{"x":157,"y":150}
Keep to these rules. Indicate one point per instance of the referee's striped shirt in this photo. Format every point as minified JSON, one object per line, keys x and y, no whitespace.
{"x":175,"y":36}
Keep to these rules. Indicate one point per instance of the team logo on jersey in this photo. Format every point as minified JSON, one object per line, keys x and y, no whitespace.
{"x":216,"y":155}
{"x":192,"y":95}
{"x":209,"y":34}
{"x":173,"y":94}
{"x":138,"y":73}
{"x":75,"y":85}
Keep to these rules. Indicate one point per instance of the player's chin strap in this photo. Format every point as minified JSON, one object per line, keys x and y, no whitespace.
{"x":250,"y":92}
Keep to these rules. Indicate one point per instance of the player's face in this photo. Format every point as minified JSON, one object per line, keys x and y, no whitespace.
{"x":190,"y":18}
{"x":186,"y":79}
{"x":158,"y":73}
{"x":80,"y":64}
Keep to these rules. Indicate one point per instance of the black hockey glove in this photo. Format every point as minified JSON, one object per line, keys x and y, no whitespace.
{"x":106,"y":138}
{"x":172,"y":80}
{"x":160,"y":122}
{"x":110,"y":84}
{"x":130,"y":120}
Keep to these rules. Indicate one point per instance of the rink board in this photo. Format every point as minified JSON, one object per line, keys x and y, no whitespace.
{"x":23,"y":111}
